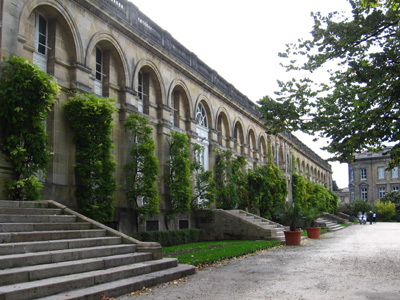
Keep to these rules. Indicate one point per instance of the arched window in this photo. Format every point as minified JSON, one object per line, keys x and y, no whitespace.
{"x":201,"y":116}
{"x":202,"y":131}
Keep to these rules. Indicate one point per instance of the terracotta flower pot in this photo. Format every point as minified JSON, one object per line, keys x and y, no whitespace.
{"x":293,"y":238}
{"x":313,"y":232}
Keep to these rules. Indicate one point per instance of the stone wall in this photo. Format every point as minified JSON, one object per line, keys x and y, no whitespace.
{"x":148,"y":72}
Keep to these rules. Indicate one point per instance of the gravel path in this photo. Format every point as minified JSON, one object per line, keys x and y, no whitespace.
{"x":358,"y":262}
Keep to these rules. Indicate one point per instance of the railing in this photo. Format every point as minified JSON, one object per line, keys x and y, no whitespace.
{"x":140,"y":22}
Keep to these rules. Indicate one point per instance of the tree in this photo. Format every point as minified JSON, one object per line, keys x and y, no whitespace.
{"x":90,"y":118}
{"x":204,"y":192}
{"x":359,"y":107}
{"x":142,"y":169}
{"x":178,"y":178}
{"x":26,"y":96}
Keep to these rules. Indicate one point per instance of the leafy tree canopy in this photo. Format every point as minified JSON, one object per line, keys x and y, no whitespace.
{"x":358,"y":108}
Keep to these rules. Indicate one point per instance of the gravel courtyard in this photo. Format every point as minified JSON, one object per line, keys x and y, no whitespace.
{"x":358,"y":262}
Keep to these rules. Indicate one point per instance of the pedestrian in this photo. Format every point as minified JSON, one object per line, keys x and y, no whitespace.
{"x":371,"y":215}
{"x":374,"y":218}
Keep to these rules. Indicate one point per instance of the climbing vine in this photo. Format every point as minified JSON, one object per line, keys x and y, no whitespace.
{"x":231,"y":180}
{"x":91,"y":119}
{"x":26,"y":96}
{"x":142,"y":169}
{"x":178,"y":178}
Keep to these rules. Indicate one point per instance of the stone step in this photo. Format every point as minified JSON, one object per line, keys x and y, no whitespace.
{"x":39,"y":272}
{"x":125,"y":286}
{"x":15,"y":237}
{"x":26,"y":204}
{"x":38,"y":246}
{"x":59,"y":284}
{"x":29,"y":211}
{"x":37,"y":218}
{"x":21,"y":227}
{"x":47,"y":257}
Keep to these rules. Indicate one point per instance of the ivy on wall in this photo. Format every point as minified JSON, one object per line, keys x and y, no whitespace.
{"x":26,"y":96}
{"x":178,"y":178}
{"x":91,"y":120}
{"x":142,"y":169}
{"x":231,"y":181}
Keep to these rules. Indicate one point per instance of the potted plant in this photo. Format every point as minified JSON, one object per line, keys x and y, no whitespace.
{"x":310,"y":217}
{"x":291,"y":215}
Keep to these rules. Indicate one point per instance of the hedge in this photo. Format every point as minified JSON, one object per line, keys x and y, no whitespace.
{"x":170,"y":237}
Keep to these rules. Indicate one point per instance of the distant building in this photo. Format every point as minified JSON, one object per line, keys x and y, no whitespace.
{"x":344,"y":195}
{"x":369,"y":178}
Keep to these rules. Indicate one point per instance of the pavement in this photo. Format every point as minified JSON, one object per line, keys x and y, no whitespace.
{"x":358,"y":262}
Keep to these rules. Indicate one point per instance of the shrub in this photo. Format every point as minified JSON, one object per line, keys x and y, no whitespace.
{"x":386,"y":210}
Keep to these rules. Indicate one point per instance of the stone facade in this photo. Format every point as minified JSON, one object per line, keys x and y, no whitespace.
{"x":368,"y":178}
{"x":111,"y":48}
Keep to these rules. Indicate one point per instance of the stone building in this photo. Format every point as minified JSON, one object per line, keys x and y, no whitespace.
{"x":369,"y":178}
{"x":110,"y":48}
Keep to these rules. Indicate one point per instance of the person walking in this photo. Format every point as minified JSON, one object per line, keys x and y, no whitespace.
{"x":371,"y":215}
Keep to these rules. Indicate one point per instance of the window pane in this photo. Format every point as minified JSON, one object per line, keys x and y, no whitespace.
{"x":381,"y":173}
{"x":395,"y":172}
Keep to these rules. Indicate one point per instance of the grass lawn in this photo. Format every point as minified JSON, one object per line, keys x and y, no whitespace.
{"x":204,"y":253}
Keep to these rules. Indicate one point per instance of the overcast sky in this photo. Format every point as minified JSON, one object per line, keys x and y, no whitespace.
{"x":240,"y":40}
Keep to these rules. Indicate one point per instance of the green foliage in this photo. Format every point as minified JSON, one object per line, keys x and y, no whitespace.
{"x":91,"y":120}
{"x":230,"y":178}
{"x":289,"y":214}
{"x":178,"y":179}
{"x":358,"y":108}
{"x":205,"y":189}
{"x":394,"y":197}
{"x":311,"y":195}
{"x":169,"y":238}
{"x":267,"y":189}
{"x":360,"y":205}
{"x":386,"y":210}
{"x":300,"y":191}
{"x":210,"y":252}
{"x":142,"y":169}
{"x":26,"y":96}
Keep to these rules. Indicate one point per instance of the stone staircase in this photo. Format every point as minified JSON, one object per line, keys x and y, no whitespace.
{"x":329,"y":225}
{"x":259,"y":227}
{"x":47,"y":251}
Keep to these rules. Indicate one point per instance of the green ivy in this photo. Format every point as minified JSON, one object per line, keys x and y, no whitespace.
{"x":91,"y":120}
{"x":142,"y":169}
{"x":178,"y":179}
{"x":26,"y":96}
{"x":231,"y":180}
{"x":205,"y":189}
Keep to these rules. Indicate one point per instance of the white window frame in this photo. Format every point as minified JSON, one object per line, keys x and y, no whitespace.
{"x":382,"y":192}
{"x":395,"y":188}
{"x":395,"y":172}
{"x":364,"y":194}
{"x":41,"y":46}
{"x":363,"y":174}
{"x":381,"y":172}
{"x":98,"y":72}
{"x":140,"y":91}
